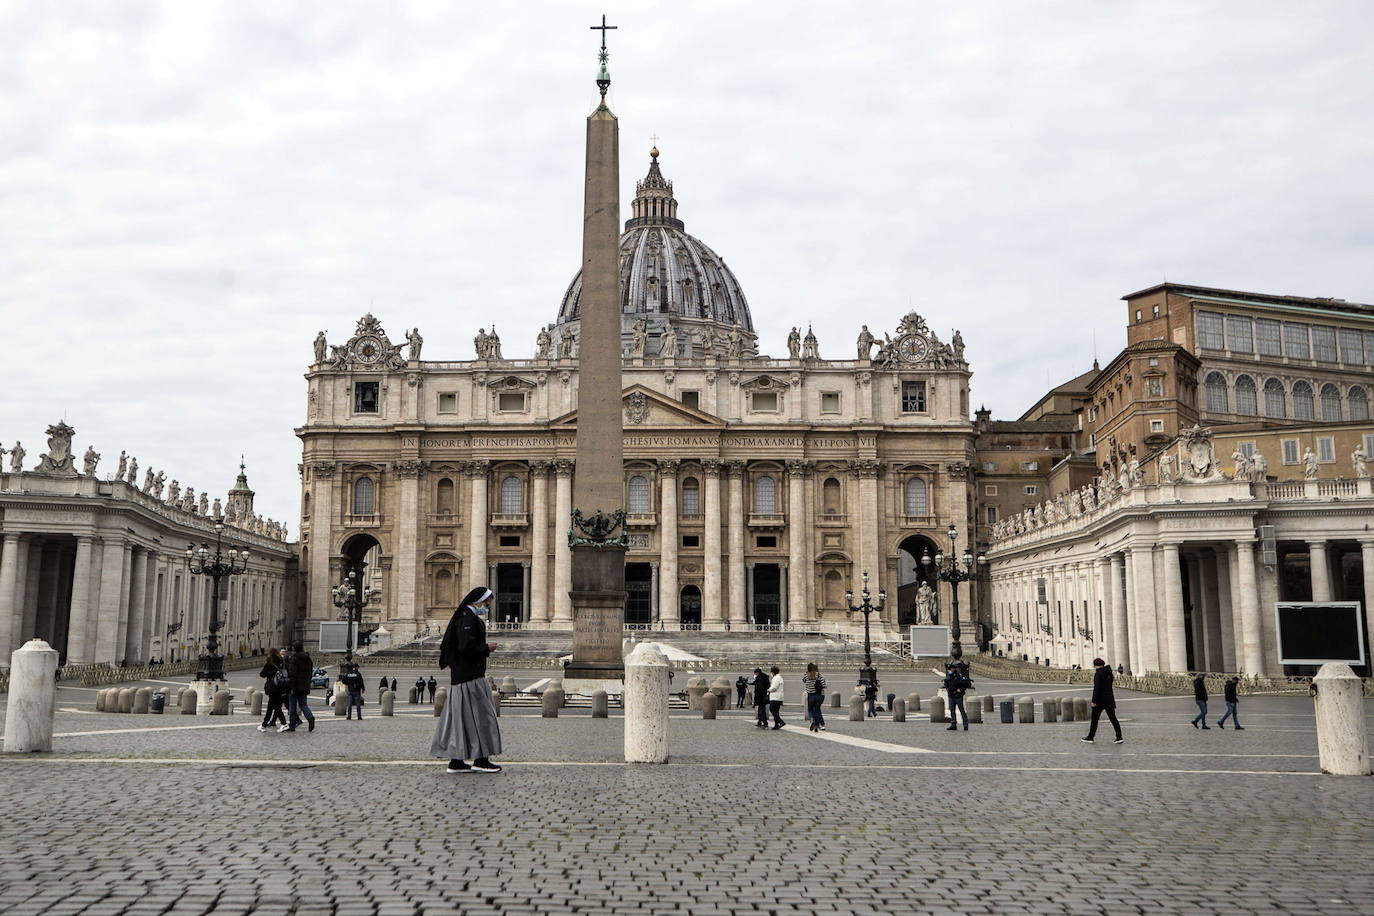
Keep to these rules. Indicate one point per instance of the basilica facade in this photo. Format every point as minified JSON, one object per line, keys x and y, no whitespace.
{"x":759,"y":489}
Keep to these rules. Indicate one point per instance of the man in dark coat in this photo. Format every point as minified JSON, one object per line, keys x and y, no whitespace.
{"x":1104,"y":700}
{"x":1200,"y":698}
{"x":353,"y":682}
{"x":433,"y":686}
{"x":1229,"y":689}
{"x":300,"y":666}
{"x":761,"y":682}
{"x":419,"y":689}
{"x":393,"y":688}
{"x":957,"y":683}
{"x":741,"y":689}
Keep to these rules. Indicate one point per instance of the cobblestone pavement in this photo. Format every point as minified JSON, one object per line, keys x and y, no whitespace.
{"x":172,"y":814}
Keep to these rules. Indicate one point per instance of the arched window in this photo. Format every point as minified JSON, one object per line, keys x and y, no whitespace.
{"x":443,"y":497}
{"x":831,"y":503}
{"x":1247,"y":404}
{"x":1216,"y":393}
{"x":639,"y":494}
{"x":1275,"y":403}
{"x":1303,"y":408}
{"x":443,"y":588}
{"x":364,"y":496}
{"x":765,"y":496}
{"x":832,"y":589}
{"x":1331,"y":403}
{"x":916,"y":497}
{"x":1358,"y":400}
{"x":512,"y":495}
{"x":691,"y":496}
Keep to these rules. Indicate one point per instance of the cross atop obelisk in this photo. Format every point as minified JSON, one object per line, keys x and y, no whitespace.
{"x":596,"y":532}
{"x":603,"y":78}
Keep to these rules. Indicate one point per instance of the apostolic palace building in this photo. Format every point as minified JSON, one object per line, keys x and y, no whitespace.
{"x":759,"y":488}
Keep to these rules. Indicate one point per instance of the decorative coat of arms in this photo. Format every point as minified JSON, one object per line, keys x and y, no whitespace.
{"x":598,"y":530}
{"x":637,"y":407}
{"x":59,"y":458}
{"x":1199,"y":458}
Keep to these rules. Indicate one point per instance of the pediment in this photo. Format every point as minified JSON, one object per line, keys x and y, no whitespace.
{"x":644,"y":408}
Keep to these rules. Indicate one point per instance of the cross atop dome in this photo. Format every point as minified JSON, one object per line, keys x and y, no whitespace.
{"x":654,"y":204}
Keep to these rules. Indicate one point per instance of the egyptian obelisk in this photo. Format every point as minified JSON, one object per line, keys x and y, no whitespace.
{"x":597,"y":531}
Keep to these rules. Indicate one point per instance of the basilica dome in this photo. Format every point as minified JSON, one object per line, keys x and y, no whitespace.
{"x":672,"y":281}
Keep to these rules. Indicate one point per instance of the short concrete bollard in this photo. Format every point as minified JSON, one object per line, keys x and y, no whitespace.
{"x":708,"y":705}
{"x":508,"y":686}
{"x":187,"y":700}
{"x":600,"y":705}
{"x":1048,"y":710}
{"x":937,"y":709}
{"x":1080,"y":708}
{"x":143,"y":697}
{"x":550,"y":701}
{"x":696,"y":686}
{"x":248,"y":695}
{"x":388,"y":703}
{"x":100,"y":701}
{"x":440,"y":698}
{"x":1006,"y":712}
{"x":856,"y":709}
{"x":975,"y":714}
{"x":836,"y":701}
{"x":913,"y":702}
{"x":32,"y":692}
{"x":987,"y":703}
{"x":1066,"y":709}
{"x":256,"y":708}
{"x":222,"y":700}
{"x":414,"y":697}
{"x":1342,"y":738}
{"x":126,"y":700}
{"x":1025,"y":710}
{"x":721,"y":688}
{"x":340,"y":704}
{"x":646,"y":706}
{"x":899,"y":710}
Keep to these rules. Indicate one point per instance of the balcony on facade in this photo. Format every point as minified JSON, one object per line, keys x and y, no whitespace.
{"x":641,"y":519}
{"x":767,"y":520}
{"x":363,"y":521}
{"x":445,"y":518}
{"x":510,"y":520}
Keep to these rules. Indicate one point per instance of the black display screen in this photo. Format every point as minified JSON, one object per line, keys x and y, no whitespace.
{"x":1313,"y":633}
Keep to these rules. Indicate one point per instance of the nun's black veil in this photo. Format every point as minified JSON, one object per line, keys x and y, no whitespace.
{"x":449,"y":646}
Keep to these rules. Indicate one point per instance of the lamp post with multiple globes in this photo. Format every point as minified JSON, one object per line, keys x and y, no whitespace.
{"x":217,"y":564}
{"x":866,"y":674}
{"x":351,"y":597}
{"x":955,"y":569}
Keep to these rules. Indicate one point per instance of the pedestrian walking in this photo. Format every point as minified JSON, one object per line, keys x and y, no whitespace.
{"x":433,"y":685}
{"x":276,"y":684}
{"x":468,"y":727}
{"x":300,"y":666}
{"x":419,"y":689}
{"x":381,"y":685}
{"x":957,"y":683}
{"x":1104,"y":700}
{"x":1200,"y":698}
{"x":871,"y":694}
{"x":761,"y":697}
{"x":741,"y":688}
{"x":353,"y":682}
{"x":775,"y":697}
{"x":1229,"y":693}
{"x":393,"y":688}
{"x":813,"y":685}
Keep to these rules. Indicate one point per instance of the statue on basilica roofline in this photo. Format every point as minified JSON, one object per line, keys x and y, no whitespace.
{"x":203,"y":508}
{"x":321,"y":347}
{"x":90,"y":460}
{"x":188,"y":501}
{"x":1359,"y":461}
{"x":866,"y":341}
{"x":1309,"y":464}
{"x":479,"y":343}
{"x":543,"y":343}
{"x":218,"y":511}
{"x":174,"y":493}
{"x":735,"y":344}
{"x":958,"y":346}
{"x":132,"y":479}
{"x":158,"y":482}
{"x":123,"y":465}
{"x":416,"y":342}
{"x":17,"y":457}
{"x":565,"y":343}
{"x":639,"y":339}
{"x":148,"y":480}
{"x":1259,"y":468}
{"x":794,"y":344}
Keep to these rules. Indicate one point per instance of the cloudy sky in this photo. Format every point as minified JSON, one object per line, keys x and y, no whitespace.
{"x":190,"y":190}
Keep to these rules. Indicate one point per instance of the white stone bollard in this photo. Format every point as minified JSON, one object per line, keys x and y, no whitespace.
{"x":646,"y":706}
{"x":1342,"y":741}
{"x":33,"y":693}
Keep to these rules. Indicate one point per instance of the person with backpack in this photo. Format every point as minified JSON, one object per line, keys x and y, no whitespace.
{"x":300,"y":666}
{"x":871,"y":695}
{"x":1232,"y":701}
{"x":276,"y":684}
{"x":813,"y":685}
{"x":957,"y":683}
{"x":1200,"y":698}
{"x":1104,"y":700}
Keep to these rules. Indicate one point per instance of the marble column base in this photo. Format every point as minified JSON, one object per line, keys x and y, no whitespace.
{"x":205,"y":694}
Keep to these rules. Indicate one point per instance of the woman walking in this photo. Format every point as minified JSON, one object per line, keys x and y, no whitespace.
{"x":813,"y":685}
{"x":467,"y":728}
{"x":276,"y":683}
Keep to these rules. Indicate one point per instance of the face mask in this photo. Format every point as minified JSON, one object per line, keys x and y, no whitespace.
{"x":480,"y":610}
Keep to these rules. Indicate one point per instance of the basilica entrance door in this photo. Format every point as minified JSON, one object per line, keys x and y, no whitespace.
{"x":639,"y":587}
{"x":767,"y":609}
{"x":689,"y":609}
{"x":510,"y":593}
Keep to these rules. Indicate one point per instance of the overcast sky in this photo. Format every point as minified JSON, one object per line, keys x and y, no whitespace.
{"x":190,"y":190}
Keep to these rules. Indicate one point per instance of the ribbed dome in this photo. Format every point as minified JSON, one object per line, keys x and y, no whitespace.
{"x":667,"y":276}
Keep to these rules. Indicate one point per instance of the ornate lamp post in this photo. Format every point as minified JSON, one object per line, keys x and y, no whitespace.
{"x":955,"y":569}
{"x":173,"y":627}
{"x":351,"y":598}
{"x":866,"y":674}
{"x":217,"y":564}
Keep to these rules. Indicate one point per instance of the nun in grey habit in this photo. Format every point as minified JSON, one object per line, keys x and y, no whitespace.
{"x":468,"y":728}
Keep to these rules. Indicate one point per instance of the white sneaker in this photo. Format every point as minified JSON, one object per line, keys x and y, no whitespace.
{"x":282,"y":728}
{"x":262,"y":728}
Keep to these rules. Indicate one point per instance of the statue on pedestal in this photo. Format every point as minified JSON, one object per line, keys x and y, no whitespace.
{"x":639,"y":339}
{"x":1137,"y":476}
{"x":543,"y":343}
{"x":958,"y":347}
{"x":1258,"y":468}
{"x":174,"y":493}
{"x":204,"y":507}
{"x":925,"y":609}
{"x":1309,"y":464}
{"x":1242,"y":465}
{"x":132,"y":479}
{"x":90,"y":460}
{"x":1165,"y":468}
{"x":565,"y":343}
{"x":794,"y":344}
{"x":188,"y":501}
{"x":865,"y":343}
{"x":321,"y":347}
{"x":735,"y":344}
{"x":17,"y":458}
{"x":58,"y":459}
{"x":157,"y":485}
{"x":667,"y":341}
{"x":218,"y":510}
{"x":416,"y":342}
{"x":148,"y":481}
{"x":1359,"y":461}
{"x":479,"y":343}
{"x":123,"y":465}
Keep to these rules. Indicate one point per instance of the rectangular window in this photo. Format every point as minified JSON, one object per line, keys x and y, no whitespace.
{"x":1092,"y":414}
{"x":1137,"y":316}
{"x":509,"y":540}
{"x":691,"y":500}
{"x":1295,"y":343}
{"x":448,"y":402}
{"x":1154,"y":311}
{"x":1369,"y":347}
{"x":1209,"y":332}
{"x":1290,"y":451}
{"x":1030,"y":465}
{"x":1326,"y":449}
{"x":1240,"y":334}
{"x":913,"y":397}
{"x":691,"y":540}
{"x":1324,"y":344}
{"x":510,"y":401}
{"x":365,"y":397}
{"x":1031,"y":490}
{"x":830,"y":402}
{"x":1156,"y":426}
{"x":1247,"y":448}
{"x":1267,"y":337}
{"x":766,"y":540}
{"x":1352,"y":347}
{"x":989,"y":466}
{"x":991,"y":514}
{"x":691,"y":399}
{"x":764,"y":401}
{"x":990,"y":489}
{"x":1369,"y":444}
{"x":1154,"y":360}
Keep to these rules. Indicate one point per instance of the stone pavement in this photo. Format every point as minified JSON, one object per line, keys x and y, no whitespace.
{"x":146,"y":814}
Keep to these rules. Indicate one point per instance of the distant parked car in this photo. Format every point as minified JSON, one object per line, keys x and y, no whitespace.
{"x":319,"y":678}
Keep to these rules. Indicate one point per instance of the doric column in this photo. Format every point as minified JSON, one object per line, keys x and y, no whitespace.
{"x":711,"y":611}
{"x":476,"y":566}
{"x":145,"y":632}
{"x":126,"y":593}
{"x":1106,"y":588}
{"x":9,"y":606}
{"x":1212,"y":623}
{"x":111,"y":579}
{"x":668,"y":603}
{"x":80,"y":629}
{"x":1174,"y":622}
{"x":798,"y":610}
{"x":1222,"y":577}
{"x":407,"y":582}
{"x":1119,"y":649}
{"x":1320,"y":571}
{"x":1146,"y":635}
{"x":538,"y":594}
{"x":562,"y":552}
{"x":739,"y":610}
{"x":1248,"y":589}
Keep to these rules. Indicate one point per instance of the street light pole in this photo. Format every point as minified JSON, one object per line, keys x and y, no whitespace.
{"x":954,"y":570}
{"x":866,"y":675}
{"x":351,"y":597}
{"x":217,"y":564}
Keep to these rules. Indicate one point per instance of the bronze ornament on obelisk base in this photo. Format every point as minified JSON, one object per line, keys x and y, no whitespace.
{"x":596,"y":530}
